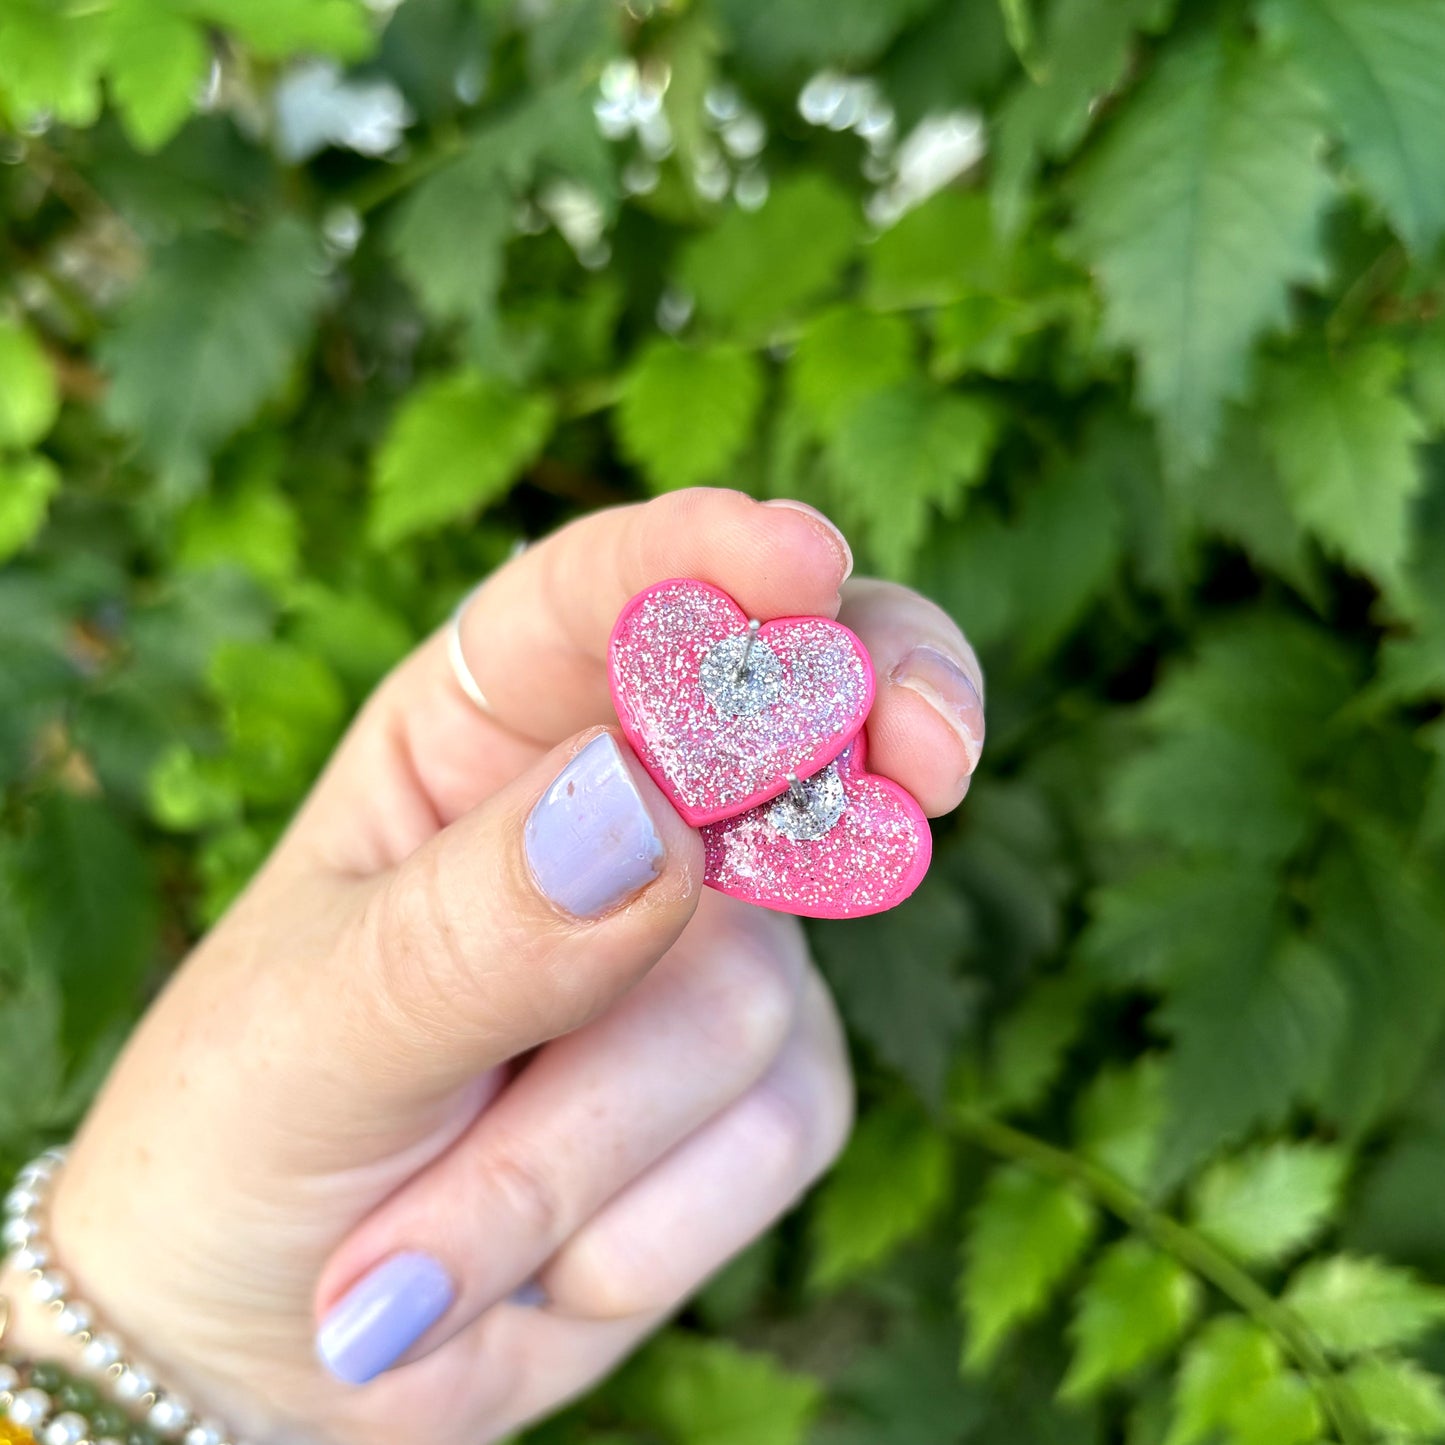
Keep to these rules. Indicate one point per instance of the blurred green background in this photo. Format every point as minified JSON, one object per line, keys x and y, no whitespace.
{"x":1112,"y":324}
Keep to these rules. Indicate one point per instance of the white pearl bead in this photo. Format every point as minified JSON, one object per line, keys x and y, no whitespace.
{"x":169,"y":1414}
{"x":9,"y":1377}
{"x":21,"y":1200}
{"x":38,"y":1171}
{"x":30,"y":1256}
{"x":56,"y":1154}
{"x":19,"y":1231}
{"x":205,"y":1432}
{"x":54,"y":1284}
{"x":30,"y":1407}
{"x":75,"y":1318}
{"x":131,"y":1384}
{"x":66,"y":1429}
{"x":100,"y":1352}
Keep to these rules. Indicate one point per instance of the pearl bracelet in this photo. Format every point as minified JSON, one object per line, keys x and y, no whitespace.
{"x":101,"y":1353}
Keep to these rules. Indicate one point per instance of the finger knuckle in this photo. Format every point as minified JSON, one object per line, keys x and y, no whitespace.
{"x":526,"y":1189}
{"x":745,"y":1005}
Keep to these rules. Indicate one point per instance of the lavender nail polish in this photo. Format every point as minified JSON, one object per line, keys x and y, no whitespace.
{"x":370,"y":1328}
{"x":941,"y":681}
{"x":590,"y":841}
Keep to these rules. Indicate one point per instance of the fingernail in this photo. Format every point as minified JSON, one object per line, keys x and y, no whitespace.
{"x":590,"y":841}
{"x":845,"y":552}
{"x":941,"y":681}
{"x":383,"y":1316}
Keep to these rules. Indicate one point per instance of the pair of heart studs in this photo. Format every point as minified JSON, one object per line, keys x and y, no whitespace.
{"x":754,"y":733}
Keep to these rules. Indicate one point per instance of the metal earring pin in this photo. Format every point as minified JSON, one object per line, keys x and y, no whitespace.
{"x":799,"y":794}
{"x":745,"y":661}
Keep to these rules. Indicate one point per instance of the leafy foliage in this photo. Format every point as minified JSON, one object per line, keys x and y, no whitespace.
{"x":1144,"y":381}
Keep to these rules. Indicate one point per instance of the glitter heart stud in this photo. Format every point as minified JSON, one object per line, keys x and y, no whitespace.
{"x":841,"y":844}
{"x":721,"y":709}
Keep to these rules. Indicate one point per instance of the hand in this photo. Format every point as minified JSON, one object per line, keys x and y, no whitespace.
{"x":442,"y":1050}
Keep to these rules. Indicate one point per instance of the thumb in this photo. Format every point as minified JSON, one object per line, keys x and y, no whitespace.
{"x":521,"y":920}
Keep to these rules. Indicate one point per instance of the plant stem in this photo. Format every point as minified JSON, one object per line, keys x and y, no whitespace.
{"x":1189,"y":1248}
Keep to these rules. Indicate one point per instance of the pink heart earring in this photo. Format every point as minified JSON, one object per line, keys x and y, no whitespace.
{"x":721,"y":709}
{"x":841,"y":844}
{"x":754,"y":731}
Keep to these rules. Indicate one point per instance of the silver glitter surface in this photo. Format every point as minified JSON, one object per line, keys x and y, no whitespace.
{"x":807,"y":821}
{"x":735,"y":690}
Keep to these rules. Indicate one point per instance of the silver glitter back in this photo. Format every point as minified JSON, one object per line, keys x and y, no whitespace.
{"x":736,"y":693}
{"x":807,"y":822}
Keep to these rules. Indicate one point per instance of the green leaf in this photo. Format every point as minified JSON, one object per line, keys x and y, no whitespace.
{"x":1028,"y":1232}
{"x":1225,"y":1364}
{"x":158,"y":61}
{"x":757,"y":268}
{"x":278,"y":29}
{"x":253,"y":526}
{"x":1399,"y":1398}
{"x":31,"y":1060}
{"x":885,"y":1190}
{"x":899,"y":454}
{"x":50,"y":61}
{"x":1379,"y":920}
{"x":845,"y":355}
{"x":686,"y":412}
{"x":1030,"y":1045}
{"x":458,"y":443}
{"x":789,"y":34}
{"x":1212,"y":791}
{"x":940,"y":251}
{"x":86,"y":888}
{"x":1198,"y":212}
{"x":1282,"y":1411}
{"x":27,"y":486}
{"x":1343,"y":438}
{"x":1118,"y":1118}
{"x":1359,"y":1305}
{"x":1083,"y":56}
{"x":29,"y":394}
{"x":1267,"y":1204}
{"x":283,"y":710}
{"x":914,"y":1011}
{"x":697,"y":1391}
{"x":211,"y":336}
{"x":1377,"y":67}
{"x":1133,"y":1308}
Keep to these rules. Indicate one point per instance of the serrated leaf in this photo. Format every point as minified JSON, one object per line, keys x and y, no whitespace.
{"x":1212,"y":791}
{"x":886,"y":1188}
{"x":914,"y":1012}
{"x":1379,"y":921}
{"x":1282,"y":1411}
{"x":158,"y":60}
{"x":941,"y":250}
{"x":756,"y":268}
{"x":209,"y":338}
{"x":901,"y":453}
{"x":27,"y":486}
{"x":458,"y":444}
{"x":51,"y":61}
{"x":792,"y":33}
{"x":1377,"y":68}
{"x":1357,"y":1305}
{"x":1083,"y":56}
{"x":278,"y":29}
{"x":1133,"y":1308}
{"x":253,"y":526}
{"x":29,"y":394}
{"x":1343,"y":438}
{"x":1118,"y":1118}
{"x":86,"y":889}
{"x":686,"y":412}
{"x":1197,"y":213}
{"x":1400,"y":1398}
{"x":1267,"y":1204}
{"x":698,"y":1391}
{"x":843,"y":356}
{"x":1029,"y":1046}
{"x":1028,"y":1232}
{"x":1223,"y":1366}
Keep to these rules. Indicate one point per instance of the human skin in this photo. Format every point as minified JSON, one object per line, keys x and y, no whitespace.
{"x":404,"y":1113}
